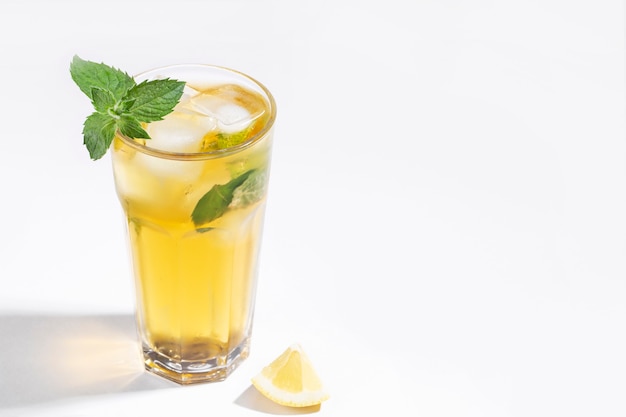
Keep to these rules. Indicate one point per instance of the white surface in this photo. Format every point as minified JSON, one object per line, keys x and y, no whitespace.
{"x":446,"y":232}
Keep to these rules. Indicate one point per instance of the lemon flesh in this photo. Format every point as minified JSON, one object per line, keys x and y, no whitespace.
{"x":291,"y":380}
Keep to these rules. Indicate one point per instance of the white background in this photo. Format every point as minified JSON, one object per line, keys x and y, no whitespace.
{"x":446,"y":228}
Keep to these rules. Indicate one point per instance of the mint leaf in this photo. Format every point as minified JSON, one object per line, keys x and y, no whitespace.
{"x":129,"y":126}
{"x":89,"y":75}
{"x":98,"y":131}
{"x":155,"y":99}
{"x":251,"y":190}
{"x":215,"y":202}
{"x":102,"y":99}
{"x":124,"y":105}
{"x":120,"y":103}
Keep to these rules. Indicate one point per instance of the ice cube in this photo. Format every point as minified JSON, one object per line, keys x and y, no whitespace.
{"x":180,"y":132}
{"x":230,"y":114}
{"x":189,"y":92}
{"x":161,"y":168}
{"x":233,"y":107}
{"x":185,"y":104}
{"x":207,"y":104}
{"x":177,"y":132}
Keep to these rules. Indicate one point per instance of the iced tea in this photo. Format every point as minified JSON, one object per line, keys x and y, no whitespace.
{"x":194,"y":198}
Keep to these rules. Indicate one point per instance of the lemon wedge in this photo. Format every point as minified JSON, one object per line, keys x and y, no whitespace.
{"x":291,"y":380}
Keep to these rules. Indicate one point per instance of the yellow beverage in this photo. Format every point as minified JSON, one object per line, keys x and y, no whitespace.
{"x":195,"y":206}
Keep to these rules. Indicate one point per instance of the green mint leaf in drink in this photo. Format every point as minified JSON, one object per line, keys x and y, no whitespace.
{"x":215,"y":202}
{"x":120,"y":103}
{"x":155,"y":99}
{"x":251,"y":190}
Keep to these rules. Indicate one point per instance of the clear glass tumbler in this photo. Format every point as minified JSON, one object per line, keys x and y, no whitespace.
{"x":194,"y":198}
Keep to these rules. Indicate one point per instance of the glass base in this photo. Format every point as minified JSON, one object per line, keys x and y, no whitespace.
{"x":189,"y":372}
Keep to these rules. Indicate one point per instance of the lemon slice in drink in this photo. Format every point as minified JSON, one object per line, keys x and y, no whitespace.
{"x":291,"y":380}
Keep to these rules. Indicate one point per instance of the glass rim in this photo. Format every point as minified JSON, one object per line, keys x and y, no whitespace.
{"x":213,"y":153}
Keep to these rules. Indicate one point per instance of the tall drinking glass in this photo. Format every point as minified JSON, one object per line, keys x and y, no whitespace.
{"x":194,"y":199}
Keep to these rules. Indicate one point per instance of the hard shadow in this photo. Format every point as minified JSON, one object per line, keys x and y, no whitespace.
{"x":52,"y":357}
{"x":252,"y":399}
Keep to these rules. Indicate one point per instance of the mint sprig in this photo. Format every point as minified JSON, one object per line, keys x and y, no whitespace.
{"x":120,"y":103}
{"x":215,"y":202}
